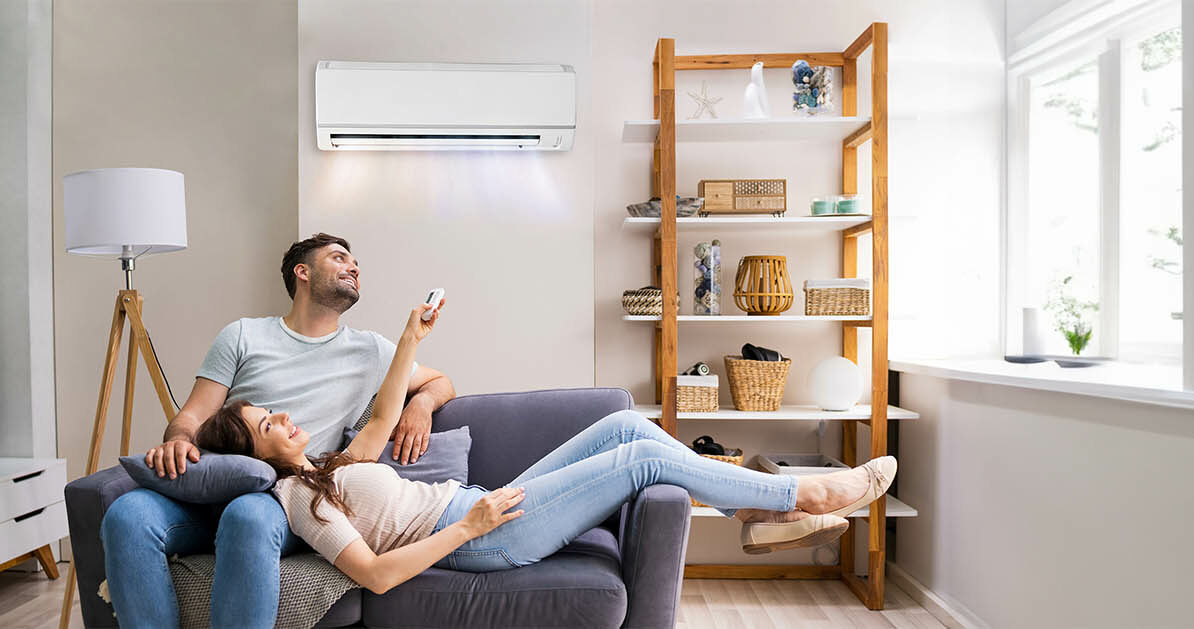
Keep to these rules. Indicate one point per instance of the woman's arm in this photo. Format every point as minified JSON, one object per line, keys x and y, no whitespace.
{"x":380,"y":573}
{"x":387,"y":408}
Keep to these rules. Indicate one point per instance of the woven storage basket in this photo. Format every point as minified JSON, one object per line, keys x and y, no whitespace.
{"x":646,"y":301}
{"x":736,"y":460}
{"x":696,"y":394}
{"x":757,"y":385}
{"x":837,"y":301}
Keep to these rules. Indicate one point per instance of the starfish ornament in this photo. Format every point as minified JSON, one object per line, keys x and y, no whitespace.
{"x":704,"y":102}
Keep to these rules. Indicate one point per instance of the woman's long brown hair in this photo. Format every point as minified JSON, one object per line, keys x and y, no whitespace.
{"x":226,"y":432}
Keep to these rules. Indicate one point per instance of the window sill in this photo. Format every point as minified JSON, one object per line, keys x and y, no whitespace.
{"x":1147,"y":384}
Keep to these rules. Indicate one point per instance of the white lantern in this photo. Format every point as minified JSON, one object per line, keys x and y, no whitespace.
{"x":835,"y":383}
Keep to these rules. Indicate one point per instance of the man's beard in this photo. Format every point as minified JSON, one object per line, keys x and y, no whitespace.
{"x":333,"y":294}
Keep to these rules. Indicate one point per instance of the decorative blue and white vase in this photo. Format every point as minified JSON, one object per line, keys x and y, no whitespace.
{"x":814,"y":88}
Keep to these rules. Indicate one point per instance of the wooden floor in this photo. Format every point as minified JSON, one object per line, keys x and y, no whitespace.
{"x":32,"y":601}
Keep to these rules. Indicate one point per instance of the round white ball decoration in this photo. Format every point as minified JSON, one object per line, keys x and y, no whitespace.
{"x":835,"y":383}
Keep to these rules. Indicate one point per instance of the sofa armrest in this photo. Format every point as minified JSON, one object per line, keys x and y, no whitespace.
{"x":654,"y":537}
{"x":87,"y":500}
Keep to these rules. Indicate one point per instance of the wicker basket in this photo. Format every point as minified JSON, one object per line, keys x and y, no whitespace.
{"x":736,"y":460}
{"x":757,"y":385}
{"x":696,"y":394}
{"x":646,"y":301}
{"x":836,"y":301}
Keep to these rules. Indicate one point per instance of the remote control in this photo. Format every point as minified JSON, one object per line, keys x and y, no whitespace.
{"x":435,"y":297}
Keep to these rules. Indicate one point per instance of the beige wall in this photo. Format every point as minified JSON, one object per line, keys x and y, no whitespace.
{"x":203,"y":87}
{"x":508,"y":235}
{"x":1042,"y":509}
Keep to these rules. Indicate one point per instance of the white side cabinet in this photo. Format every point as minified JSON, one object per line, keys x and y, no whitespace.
{"x":32,"y":511}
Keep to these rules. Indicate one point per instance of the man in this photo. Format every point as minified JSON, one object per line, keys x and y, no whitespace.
{"x":305,"y":363}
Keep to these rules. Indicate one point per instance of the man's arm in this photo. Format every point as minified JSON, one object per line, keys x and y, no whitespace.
{"x":171,"y":457}
{"x":429,"y":390}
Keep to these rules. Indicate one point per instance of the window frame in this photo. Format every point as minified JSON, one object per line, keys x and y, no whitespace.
{"x":1079,"y":30}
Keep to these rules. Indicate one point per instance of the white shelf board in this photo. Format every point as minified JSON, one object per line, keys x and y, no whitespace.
{"x":895,"y":509}
{"x":744,"y":318}
{"x":737,"y":130}
{"x":730,"y":224}
{"x":788,"y":412}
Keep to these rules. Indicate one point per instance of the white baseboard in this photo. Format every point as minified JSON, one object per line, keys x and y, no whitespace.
{"x":949,"y":612}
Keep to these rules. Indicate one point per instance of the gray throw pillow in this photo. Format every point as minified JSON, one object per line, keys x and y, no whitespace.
{"x":446,"y":457}
{"x":215,"y":479}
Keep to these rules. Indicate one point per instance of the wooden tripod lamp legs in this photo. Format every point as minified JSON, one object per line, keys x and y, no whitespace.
{"x":129,"y":304}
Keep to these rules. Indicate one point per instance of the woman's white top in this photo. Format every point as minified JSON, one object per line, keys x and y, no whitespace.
{"x":387,"y":511}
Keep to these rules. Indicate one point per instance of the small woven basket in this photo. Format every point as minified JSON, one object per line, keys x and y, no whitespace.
{"x":736,"y":460}
{"x":696,"y":394}
{"x":646,"y":301}
{"x":837,"y":301}
{"x":757,"y":385}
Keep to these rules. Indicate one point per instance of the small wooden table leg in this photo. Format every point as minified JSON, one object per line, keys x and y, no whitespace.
{"x":46,"y":558}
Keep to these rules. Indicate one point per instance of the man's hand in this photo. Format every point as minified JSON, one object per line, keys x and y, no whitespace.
{"x":413,"y":431}
{"x":171,"y":457}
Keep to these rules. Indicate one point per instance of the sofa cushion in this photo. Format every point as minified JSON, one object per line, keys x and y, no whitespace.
{"x":213,"y":479}
{"x":446,"y":457}
{"x":568,"y":589}
{"x":345,"y":612}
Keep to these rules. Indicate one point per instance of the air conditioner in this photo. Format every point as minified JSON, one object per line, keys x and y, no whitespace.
{"x":444,"y":106}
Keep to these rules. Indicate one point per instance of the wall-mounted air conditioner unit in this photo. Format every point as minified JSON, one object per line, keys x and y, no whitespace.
{"x":444,"y":106}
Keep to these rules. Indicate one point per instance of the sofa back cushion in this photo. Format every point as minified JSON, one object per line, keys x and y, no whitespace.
{"x":446,"y":457}
{"x":511,"y":431}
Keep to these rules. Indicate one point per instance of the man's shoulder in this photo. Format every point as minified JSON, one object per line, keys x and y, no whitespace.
{"x":366,"y":336}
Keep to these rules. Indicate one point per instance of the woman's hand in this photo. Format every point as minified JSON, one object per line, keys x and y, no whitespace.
{"x":488,"y":513}
{"x":416,"y":327}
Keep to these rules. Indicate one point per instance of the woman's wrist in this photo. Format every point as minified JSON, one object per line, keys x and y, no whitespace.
{"x":463,"y":529}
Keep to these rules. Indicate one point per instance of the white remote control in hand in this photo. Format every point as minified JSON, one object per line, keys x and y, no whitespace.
{"x":435,"y":297}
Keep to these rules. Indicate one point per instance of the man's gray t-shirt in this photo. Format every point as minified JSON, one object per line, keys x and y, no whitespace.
{"x":324,"y":383}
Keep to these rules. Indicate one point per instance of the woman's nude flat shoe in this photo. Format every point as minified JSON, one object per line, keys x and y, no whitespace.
{"x":815,"y":530}
{"x":882,"y":471}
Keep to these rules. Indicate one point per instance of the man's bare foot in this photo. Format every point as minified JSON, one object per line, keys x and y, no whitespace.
{"x":822,"y":493}
{"x":770,"y":517}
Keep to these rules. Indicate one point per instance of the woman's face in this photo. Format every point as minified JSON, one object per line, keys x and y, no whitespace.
{"x":274,"y":436}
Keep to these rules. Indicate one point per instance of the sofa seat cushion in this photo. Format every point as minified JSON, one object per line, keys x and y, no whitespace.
{"x":344,"y":612}
{"x":580,"y":586}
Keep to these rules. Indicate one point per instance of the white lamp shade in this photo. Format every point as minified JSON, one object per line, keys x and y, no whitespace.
{"x":110,"y":208}
{"x":835,"y":384}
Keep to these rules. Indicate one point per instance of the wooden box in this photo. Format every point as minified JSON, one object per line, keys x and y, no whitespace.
{"x":744,"y":196}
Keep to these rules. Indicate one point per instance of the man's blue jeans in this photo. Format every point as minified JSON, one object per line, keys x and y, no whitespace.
{"x":588,"y":478}
{"x":142,"y":528}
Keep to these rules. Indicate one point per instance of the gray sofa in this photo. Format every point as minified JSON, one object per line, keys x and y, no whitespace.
{"x":626,"y":572}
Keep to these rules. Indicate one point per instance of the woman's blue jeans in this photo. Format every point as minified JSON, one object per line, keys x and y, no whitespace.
{"x":142,"y":528}
{"x":584,"y":481}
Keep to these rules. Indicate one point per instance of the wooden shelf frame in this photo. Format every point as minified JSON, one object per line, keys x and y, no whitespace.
{"x":870,"y":590}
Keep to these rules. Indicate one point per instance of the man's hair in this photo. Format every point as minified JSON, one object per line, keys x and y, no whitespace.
{"x":300,"y":253}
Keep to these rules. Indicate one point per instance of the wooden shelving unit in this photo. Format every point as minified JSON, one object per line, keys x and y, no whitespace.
{"x":853,"y":131}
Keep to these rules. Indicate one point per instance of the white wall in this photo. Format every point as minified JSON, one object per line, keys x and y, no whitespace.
{"x":945,"y":90}
{"x":509,"y":235}
{"x":26,"y":339}
{"x":1041,"y":509}
{"x":205,"y":88}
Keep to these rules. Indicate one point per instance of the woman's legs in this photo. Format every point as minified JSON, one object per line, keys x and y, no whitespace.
{"x":563,"y":503}
{"x":604,"y":435}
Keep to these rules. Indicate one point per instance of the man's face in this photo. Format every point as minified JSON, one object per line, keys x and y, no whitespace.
{"x":334,"y":278}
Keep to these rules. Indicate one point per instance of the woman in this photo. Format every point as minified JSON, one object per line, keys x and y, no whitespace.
{"x":381,"y":530}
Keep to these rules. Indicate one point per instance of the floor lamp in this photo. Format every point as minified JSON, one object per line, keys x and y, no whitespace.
{"x":125,"y":213}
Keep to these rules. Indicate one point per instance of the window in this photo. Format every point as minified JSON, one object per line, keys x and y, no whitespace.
{"x":1093,"y":244}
